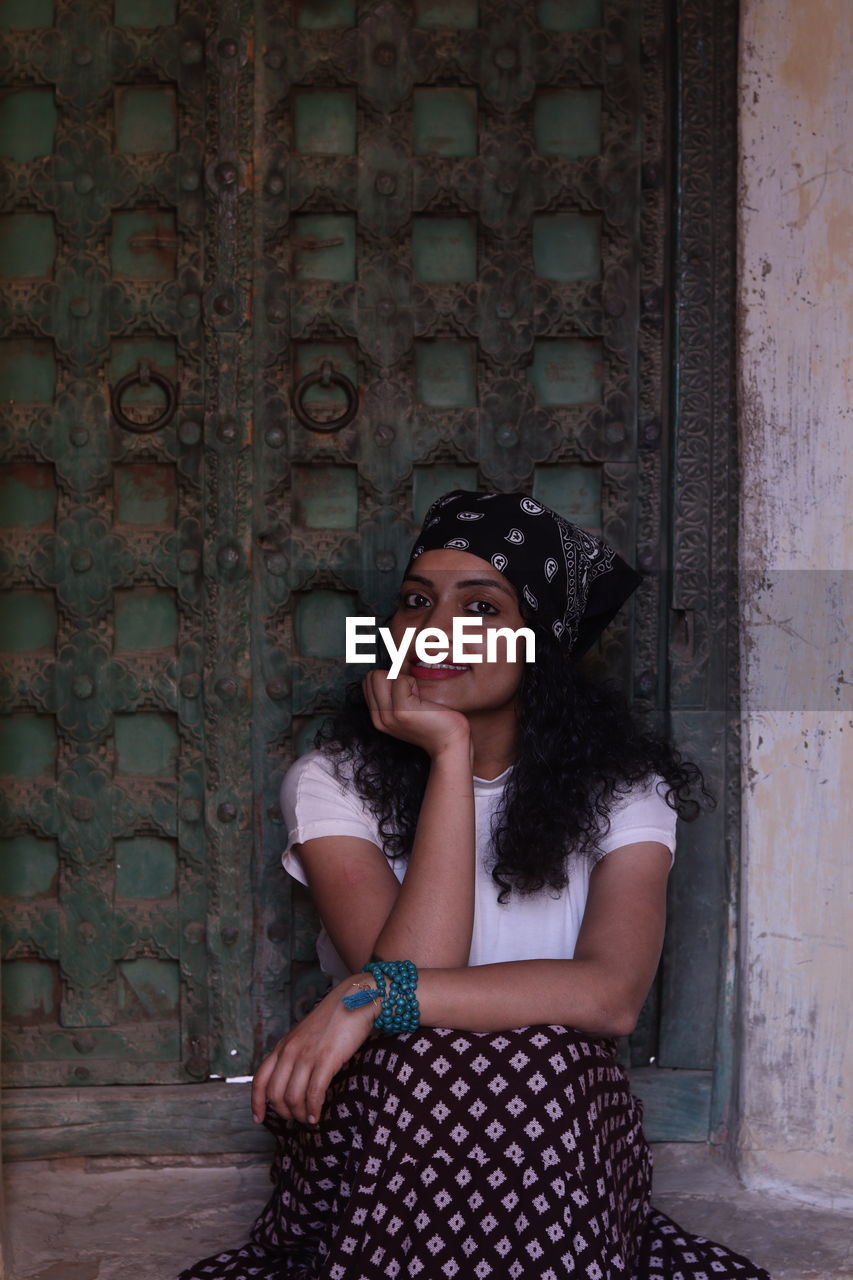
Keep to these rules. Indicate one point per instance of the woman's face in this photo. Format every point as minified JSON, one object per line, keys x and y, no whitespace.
{"x":448,"y":584}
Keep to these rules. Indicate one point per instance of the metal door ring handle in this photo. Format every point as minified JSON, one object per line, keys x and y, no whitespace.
{"x":144,"y":375}
{"x":328,"y":376}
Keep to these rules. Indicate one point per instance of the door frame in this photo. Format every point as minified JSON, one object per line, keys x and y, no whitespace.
{"x":705,"y":436}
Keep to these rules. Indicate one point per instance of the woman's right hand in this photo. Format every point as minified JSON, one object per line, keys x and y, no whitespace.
{"x":294,"y":1077}
{"x":396,"y":707}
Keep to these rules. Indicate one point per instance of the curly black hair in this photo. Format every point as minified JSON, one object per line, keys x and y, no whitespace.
{"x":580,"y":748}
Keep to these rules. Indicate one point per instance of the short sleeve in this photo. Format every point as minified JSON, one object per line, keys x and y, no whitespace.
{"x":641,"y":815}
{"x":315,"y":803}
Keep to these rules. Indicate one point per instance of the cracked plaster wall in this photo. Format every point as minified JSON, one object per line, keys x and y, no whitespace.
{"x":796,"y":422}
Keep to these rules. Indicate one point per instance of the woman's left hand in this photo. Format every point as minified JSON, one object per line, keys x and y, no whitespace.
{"x":294,"y":1078}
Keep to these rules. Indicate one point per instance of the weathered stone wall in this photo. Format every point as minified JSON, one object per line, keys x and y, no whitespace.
{"x":796,"y":414}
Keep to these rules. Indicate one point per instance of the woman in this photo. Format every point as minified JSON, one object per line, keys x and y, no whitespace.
{"x":492,"y":840}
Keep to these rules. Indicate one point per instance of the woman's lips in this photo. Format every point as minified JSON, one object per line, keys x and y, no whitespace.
{"x":435,"y":671}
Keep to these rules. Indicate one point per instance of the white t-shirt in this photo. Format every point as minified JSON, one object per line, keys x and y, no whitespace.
{"x":541,"y":926}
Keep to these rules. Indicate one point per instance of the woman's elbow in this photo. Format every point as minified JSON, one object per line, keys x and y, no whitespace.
{"x":621,"y":1012}
{"x":624,"y":1021}
{"x":612,"y":1022}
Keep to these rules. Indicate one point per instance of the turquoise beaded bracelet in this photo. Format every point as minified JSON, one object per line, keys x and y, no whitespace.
{"x":400,"y":1009}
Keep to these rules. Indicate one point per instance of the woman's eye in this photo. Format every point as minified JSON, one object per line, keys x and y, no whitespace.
{"x":414,"y":600}
{"x":487,"y":607}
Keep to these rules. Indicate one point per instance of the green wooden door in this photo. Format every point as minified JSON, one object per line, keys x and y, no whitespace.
{"x":277,"y":275}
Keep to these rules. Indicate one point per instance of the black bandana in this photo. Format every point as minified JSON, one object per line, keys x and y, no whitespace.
{"x":572,"y":582}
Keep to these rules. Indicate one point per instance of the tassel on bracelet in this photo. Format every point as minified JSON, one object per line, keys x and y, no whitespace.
{"x":364,"y":995}
{"x":400,"y":1010}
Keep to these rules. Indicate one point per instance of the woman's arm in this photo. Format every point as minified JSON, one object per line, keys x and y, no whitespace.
{"x":600,"y":990}
{"x":428,"y":919}
{"x":433,"y":916}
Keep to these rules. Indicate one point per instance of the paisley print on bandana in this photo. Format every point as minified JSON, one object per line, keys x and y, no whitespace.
{"x":573,"y":583}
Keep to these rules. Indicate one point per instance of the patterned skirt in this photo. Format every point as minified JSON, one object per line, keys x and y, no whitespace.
{"x":445,"y":1154}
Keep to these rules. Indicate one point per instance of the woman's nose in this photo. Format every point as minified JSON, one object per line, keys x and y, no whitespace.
{"x":442,"y":616}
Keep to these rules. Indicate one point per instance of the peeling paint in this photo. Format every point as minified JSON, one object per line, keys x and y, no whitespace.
{"x":814,"y":50}
{"x":795,"y":239}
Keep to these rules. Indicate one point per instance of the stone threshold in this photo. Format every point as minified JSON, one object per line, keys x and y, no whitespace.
{"x":103,"y":1219}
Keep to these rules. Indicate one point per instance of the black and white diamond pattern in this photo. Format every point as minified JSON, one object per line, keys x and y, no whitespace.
{"x":443,"y":1154}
